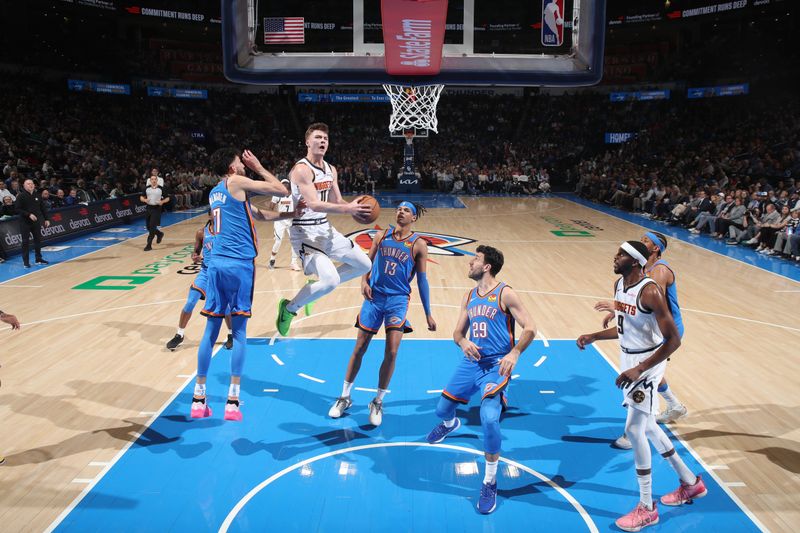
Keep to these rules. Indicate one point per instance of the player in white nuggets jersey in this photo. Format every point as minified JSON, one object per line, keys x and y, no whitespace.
{"x":315,"y":240}
{"x":647,"y":336}
{"x":282,"y":204}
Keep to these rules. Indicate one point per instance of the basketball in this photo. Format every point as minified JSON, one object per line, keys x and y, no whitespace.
{"x":376,"y":210}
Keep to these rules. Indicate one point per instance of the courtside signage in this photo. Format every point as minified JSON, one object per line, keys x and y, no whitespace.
{"x":565,"y":229}
{"x":139,"y":276}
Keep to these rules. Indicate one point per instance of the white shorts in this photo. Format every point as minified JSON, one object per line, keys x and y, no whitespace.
{"x":642,"y":394}
{"x":280,"y":226}
{"x":321,"y":238}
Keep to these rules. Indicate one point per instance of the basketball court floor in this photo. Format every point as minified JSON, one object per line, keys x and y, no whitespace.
{"x":94,"y":409}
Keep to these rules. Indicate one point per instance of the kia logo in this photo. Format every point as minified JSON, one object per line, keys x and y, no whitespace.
{"x":56,"y":217}
{"x":83,"y":211}
{"x":126,"y":203}
{"x":106,"y":207}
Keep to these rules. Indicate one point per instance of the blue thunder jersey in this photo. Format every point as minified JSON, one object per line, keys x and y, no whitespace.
{"x":672,"y":297}
{"x":490,"y":328}
{"x":234,"y":232}
{"x":393,"y":267}
{"x":208,"y":243}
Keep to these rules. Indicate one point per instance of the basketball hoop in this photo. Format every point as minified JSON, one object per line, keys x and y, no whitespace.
{"x":413,"y":106}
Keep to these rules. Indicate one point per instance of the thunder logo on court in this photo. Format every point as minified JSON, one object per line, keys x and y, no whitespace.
{"x":438,"y":243}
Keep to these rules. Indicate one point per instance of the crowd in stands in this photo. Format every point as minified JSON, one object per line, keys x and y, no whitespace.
{"x":82,"y":147}
{"x":726,"y":167}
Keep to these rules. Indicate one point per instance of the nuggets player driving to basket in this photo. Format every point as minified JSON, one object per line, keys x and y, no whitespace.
{"x":396,"y":257}
{"x":647,"y":336}
{"x":488,"y":314}
{"x":315,"y":240}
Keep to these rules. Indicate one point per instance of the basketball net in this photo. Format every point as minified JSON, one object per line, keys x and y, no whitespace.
{"x":413,"y":106}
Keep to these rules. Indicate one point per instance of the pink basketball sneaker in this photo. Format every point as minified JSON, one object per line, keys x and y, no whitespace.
{"x":640,"y":517}
{"x":685,"y":493}
{"x":200,"y":409}
{"x":232,"y":411}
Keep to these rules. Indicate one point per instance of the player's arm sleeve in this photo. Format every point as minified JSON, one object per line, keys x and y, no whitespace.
{"x":424,"y":292}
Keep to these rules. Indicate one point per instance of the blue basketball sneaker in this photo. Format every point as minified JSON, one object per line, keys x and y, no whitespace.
{"x":488,"y":500}
{"x":438,"y":433}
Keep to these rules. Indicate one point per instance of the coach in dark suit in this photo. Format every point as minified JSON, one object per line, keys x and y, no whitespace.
{"x":32,"y":215}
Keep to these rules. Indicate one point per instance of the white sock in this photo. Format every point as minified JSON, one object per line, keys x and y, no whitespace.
{"x":491,"y":472}
{"x":199,"y":390}
{"x":450,"y":423}
{"x":180,"y":331}
{"x":346,"y":389}
{"x":645,"y":489}
{"x":672,"y":401}
{"x":381,"y":394}
{"x":681,"y":469}
{"x":233,"y":390}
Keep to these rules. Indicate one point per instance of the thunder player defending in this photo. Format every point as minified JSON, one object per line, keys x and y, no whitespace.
{"x":659,"y":270}
{"x":315,"y":240}
{"x":282,"y":204}
{"x":203,"y":242}
{"x":231,"y":271}
{"x":488,"y":313}
{"x":647,"y":336}
{"x":396,"y":257}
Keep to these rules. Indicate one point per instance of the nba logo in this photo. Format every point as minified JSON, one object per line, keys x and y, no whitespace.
{"x":552,"y":22}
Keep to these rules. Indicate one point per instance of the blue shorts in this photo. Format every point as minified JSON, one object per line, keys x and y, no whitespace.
{"x":471,"y":377}
{"x":200,"y":283}
{"x":230,"y":286}
{"x":389,"y":310}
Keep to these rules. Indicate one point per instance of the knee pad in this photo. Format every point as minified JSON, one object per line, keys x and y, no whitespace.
{"x":329,"y":280}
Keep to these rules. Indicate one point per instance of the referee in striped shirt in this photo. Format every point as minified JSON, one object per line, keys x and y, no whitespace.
{"x":154,"y":197}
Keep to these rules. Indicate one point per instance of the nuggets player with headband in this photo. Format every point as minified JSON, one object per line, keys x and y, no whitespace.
{"x":396,"y":256}
{"x":315,"y":240}
{"x":489,"y":313}
{"x":659,"y":270}
{"x":647,"y":336}
{"x":231,"y":270}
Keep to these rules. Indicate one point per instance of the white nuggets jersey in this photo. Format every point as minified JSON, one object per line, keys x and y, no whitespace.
{"x":638,"y":329}
{"x":323,"y":182}
{"x":283,"y":204}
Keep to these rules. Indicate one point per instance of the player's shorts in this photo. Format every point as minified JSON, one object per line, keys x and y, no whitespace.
{"x":200,"y":283}
{"x":229,"y":287}
{"x":280,"y":226}
{"x":389,"y":310}
{"x":642,"y":394}
{"x":308,"y":239}
{"x":471,"y":377}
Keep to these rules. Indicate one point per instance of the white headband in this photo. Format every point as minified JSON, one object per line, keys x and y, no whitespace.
{"x":633,"y":253}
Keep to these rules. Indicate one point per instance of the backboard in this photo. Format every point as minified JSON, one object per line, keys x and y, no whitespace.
{"x":486,"y":42}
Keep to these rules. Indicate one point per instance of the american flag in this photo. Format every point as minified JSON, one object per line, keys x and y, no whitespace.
{"x":284,"y":30}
